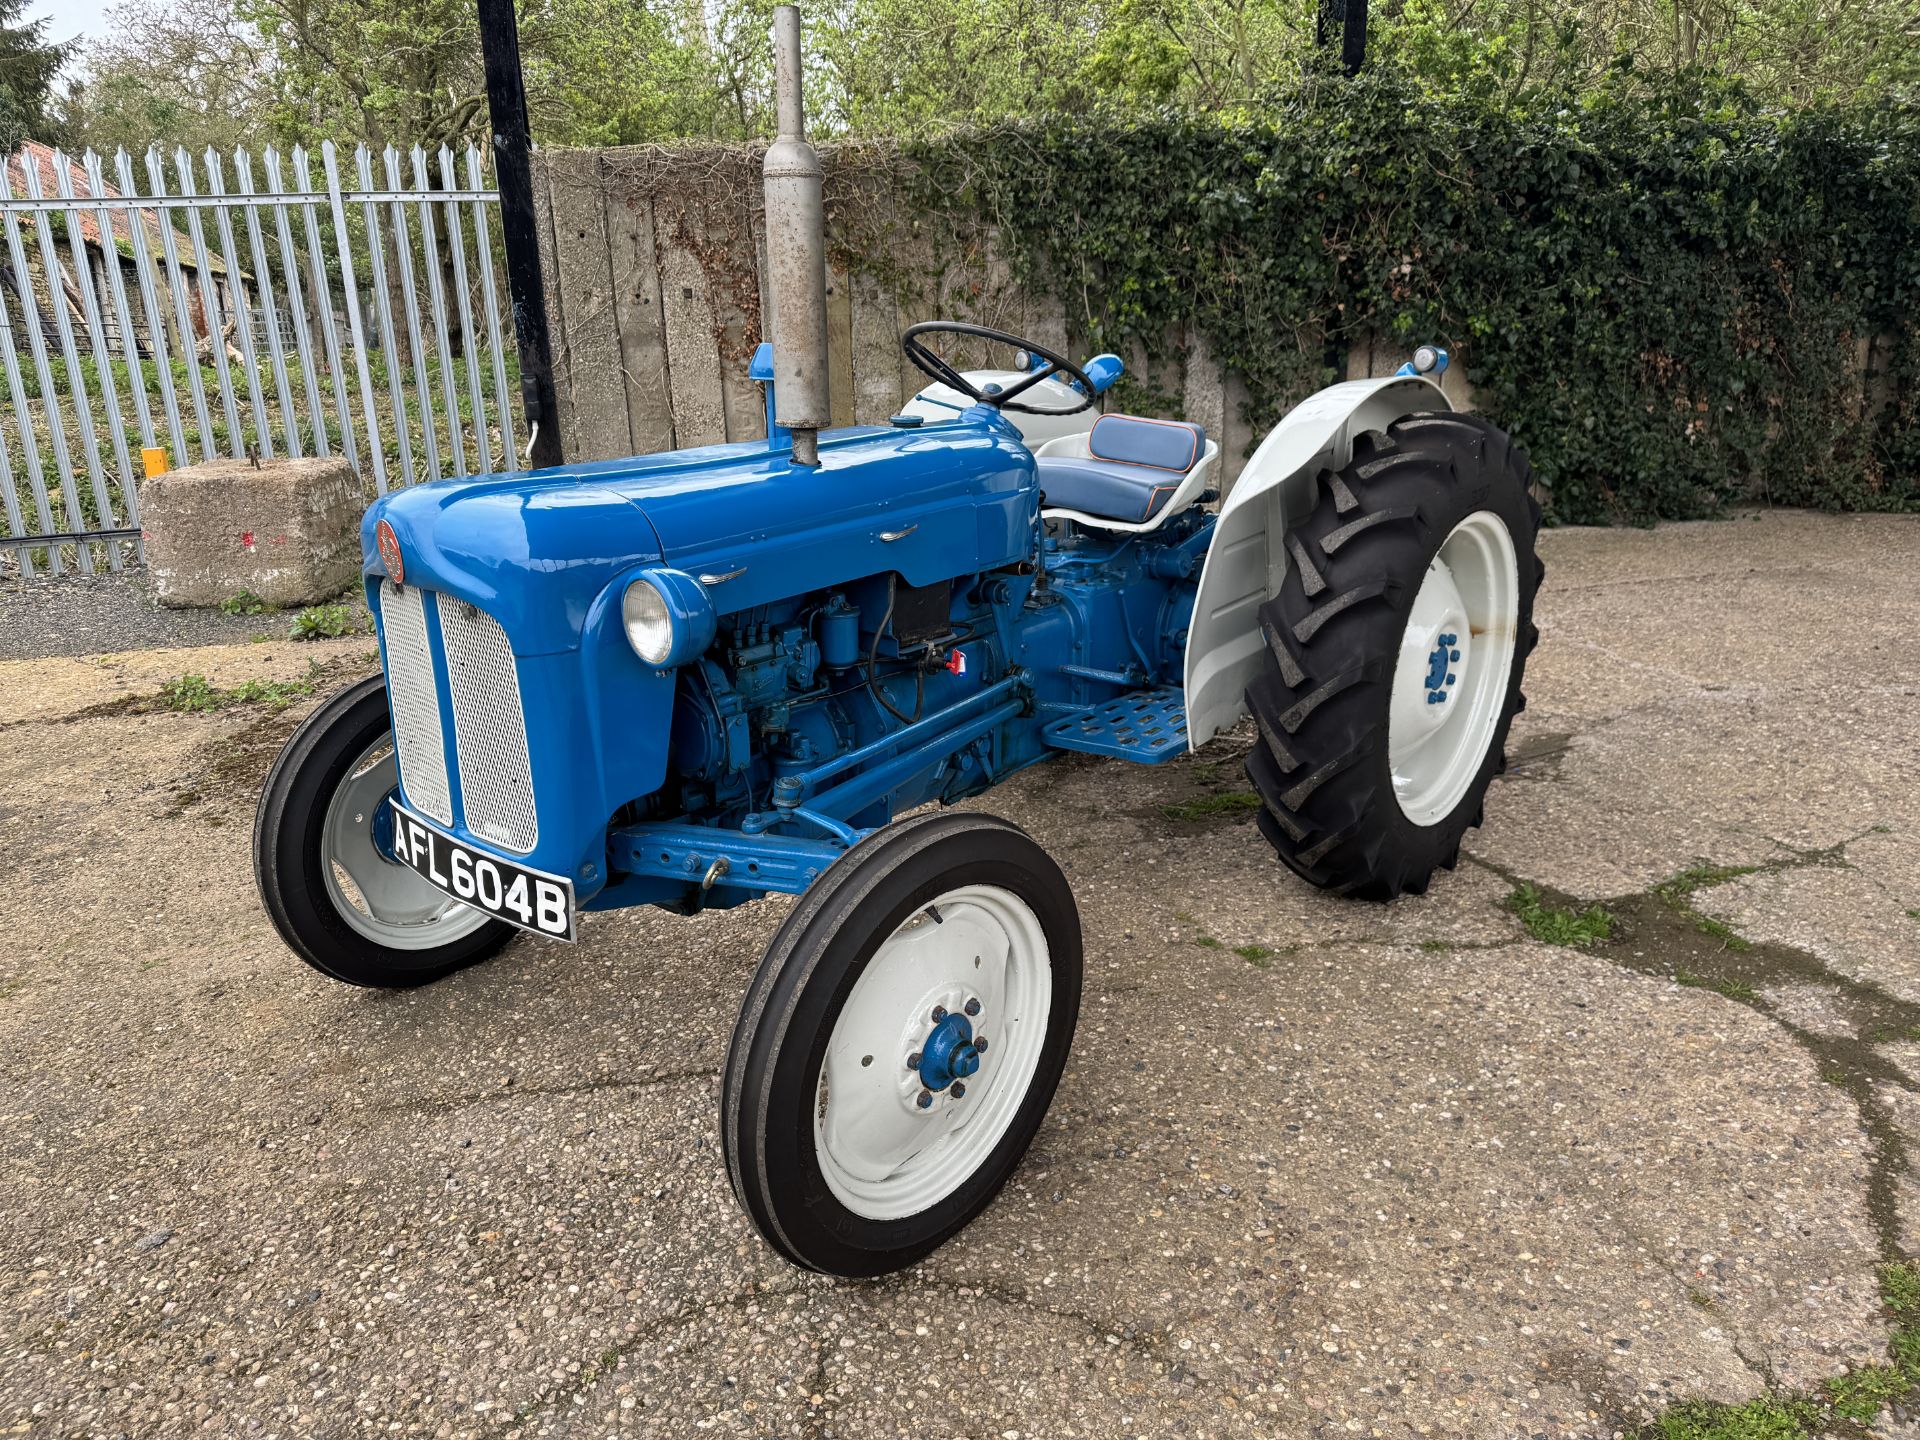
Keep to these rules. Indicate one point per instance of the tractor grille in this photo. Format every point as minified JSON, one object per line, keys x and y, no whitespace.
{"x":489,"y":740}
{"x":489,"y":730}
{"x":415,"y":696}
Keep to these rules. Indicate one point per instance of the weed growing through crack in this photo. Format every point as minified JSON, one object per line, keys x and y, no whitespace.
{"x":1256,"y":955}
{"x":244,"y":602}
{"x":1731,"y":988}
{"x":326,"y":622}
{"x":1213,"y":807}
{"x":195,"y":694}
{"x":1554,"y":925}
{"x":1699,"y":877}
{"x":1207,"y":942}
{"x":1859,"y":1396}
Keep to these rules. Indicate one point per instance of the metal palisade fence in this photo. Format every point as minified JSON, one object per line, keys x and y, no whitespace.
{"x":210,"y":309}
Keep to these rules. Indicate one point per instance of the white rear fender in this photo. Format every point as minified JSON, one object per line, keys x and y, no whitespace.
{"x":1248,"y":557}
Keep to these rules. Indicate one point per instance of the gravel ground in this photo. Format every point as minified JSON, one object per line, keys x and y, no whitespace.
{"x":1316,"y":1169}
{"x":110,"y":614}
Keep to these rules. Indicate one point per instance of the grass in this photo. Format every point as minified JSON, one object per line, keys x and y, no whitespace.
{"x":1699,"y":877}
{"x":1209,"y":807}
{"x":1858,"y":1397}
{"x":326,"y":622}
{"x":1207,"y":942}
{"x":1556,"y":925}
{"x":1763,"y":1419}
{"x":1732,"y":989}
{"x":1707,"y":925}
{"x":244,"y":602}
{"x":1256,"y":955}
{"x":196,"y":695}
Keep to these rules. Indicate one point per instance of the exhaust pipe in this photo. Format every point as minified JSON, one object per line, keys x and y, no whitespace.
{"x":796,"y":253}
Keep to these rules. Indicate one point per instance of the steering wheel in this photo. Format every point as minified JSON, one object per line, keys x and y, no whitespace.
{"x":1001,"y":399}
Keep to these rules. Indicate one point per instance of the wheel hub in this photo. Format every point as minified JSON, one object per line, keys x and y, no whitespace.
{"x":1441,"y":676}
{"x":949,"y":1053}
{"x":1450,"y":678}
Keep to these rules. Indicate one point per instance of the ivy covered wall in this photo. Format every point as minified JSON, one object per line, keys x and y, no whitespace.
{"x":1677,"y":299}
{"x":1676,"y":303}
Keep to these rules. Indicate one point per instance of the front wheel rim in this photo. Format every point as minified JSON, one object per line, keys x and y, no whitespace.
{"x":377,"y":896}
{"x":893,"y":1139}
{"x":1455,"y":662}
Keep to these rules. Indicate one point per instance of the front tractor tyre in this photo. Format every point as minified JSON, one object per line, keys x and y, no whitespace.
{"x":322,"y":857}
{"x":1395,"y":650}
{"x":901,"y":1042}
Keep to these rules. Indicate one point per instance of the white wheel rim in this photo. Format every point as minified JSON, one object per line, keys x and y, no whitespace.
{"x":884,"y":1155}
{"x":378,"y":897}
{"x":1450,"y":678}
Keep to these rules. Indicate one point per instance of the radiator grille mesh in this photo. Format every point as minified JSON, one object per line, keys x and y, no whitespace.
{"x":415,"y":697}
{"x":490,"y":730}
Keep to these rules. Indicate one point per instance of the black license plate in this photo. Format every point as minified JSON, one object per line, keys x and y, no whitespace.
{"x":530,"y":899}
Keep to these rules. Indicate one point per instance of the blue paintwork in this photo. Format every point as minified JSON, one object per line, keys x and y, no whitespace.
{"x":948,"y":1053}
{"x":1439,"y":367}
{"x":763,"y":751}
{"x":1439,"y":678}
{"x":1144,"y":726}
{"x":1103,"y":370}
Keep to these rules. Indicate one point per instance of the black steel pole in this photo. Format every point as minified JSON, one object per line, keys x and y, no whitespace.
{"x":1353,"y":45}
{"x":1348,"y":20}
{"x":513,"y":173}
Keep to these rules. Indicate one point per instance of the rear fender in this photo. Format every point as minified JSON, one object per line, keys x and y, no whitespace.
{"x":1248,"y":556}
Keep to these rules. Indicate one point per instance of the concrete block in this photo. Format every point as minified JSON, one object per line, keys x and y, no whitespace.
{"x":288,"y":531}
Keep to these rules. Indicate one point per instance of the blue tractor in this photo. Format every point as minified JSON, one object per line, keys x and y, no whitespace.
{"x":695,"y":679}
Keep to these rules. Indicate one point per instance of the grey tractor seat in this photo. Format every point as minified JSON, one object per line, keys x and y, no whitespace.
{"x":1132,"y":467}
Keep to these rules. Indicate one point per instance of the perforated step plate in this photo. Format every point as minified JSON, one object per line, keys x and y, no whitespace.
{"x":1144,"y":726}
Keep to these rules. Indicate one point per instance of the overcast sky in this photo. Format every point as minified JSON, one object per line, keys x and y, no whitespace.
{"x":72,"y":19}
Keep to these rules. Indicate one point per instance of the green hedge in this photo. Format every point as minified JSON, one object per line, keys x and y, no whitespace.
{"x":1660,"y":288}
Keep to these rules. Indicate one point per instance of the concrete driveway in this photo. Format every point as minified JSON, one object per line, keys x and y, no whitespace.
{"x":1317,"y":1167}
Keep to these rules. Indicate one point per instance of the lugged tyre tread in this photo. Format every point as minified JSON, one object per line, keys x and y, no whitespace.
{"x":1320,"y":764}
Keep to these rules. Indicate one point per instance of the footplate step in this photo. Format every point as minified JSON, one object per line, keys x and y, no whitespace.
{"x":1144,"y":726}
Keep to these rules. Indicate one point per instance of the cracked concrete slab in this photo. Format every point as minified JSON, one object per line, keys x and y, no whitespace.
{"x":1317,"y":1168}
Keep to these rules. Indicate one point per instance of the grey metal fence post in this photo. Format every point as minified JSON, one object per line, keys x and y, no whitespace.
{"x":49,"y":396}
{"x":269,"y":308}
{"x":376,"y":449}
{"x":81,"y":322}
{"x":150,"y":306}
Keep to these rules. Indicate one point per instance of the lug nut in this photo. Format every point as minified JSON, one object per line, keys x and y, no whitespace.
{"x":926,"y":1100}
{"x":939,"y":1013}
{"x":913,"y":1061}
{"x":979,"y":1042}
{"x":973,"y":1007}
{"x":959,"y":1090}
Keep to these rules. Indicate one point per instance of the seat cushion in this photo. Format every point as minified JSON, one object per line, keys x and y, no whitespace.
{"x":1131,"y":493}
{"x":1157,"y":444}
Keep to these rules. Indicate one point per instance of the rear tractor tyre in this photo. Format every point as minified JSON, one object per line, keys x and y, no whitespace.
{"x":322,"y":858}
{"x":1395,"y":651}
{"x":901,"y":1042}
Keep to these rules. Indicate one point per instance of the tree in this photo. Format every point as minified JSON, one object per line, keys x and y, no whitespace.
{"x":28,"y":65}
{"x":171,"y":73}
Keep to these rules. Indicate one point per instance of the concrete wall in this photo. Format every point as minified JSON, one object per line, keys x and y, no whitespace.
{"x":653,"y":260}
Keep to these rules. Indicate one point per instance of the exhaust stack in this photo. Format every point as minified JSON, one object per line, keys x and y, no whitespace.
{"x":796,"y":253}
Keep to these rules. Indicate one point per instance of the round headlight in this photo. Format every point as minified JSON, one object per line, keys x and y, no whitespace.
{"x":649,"y":622}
